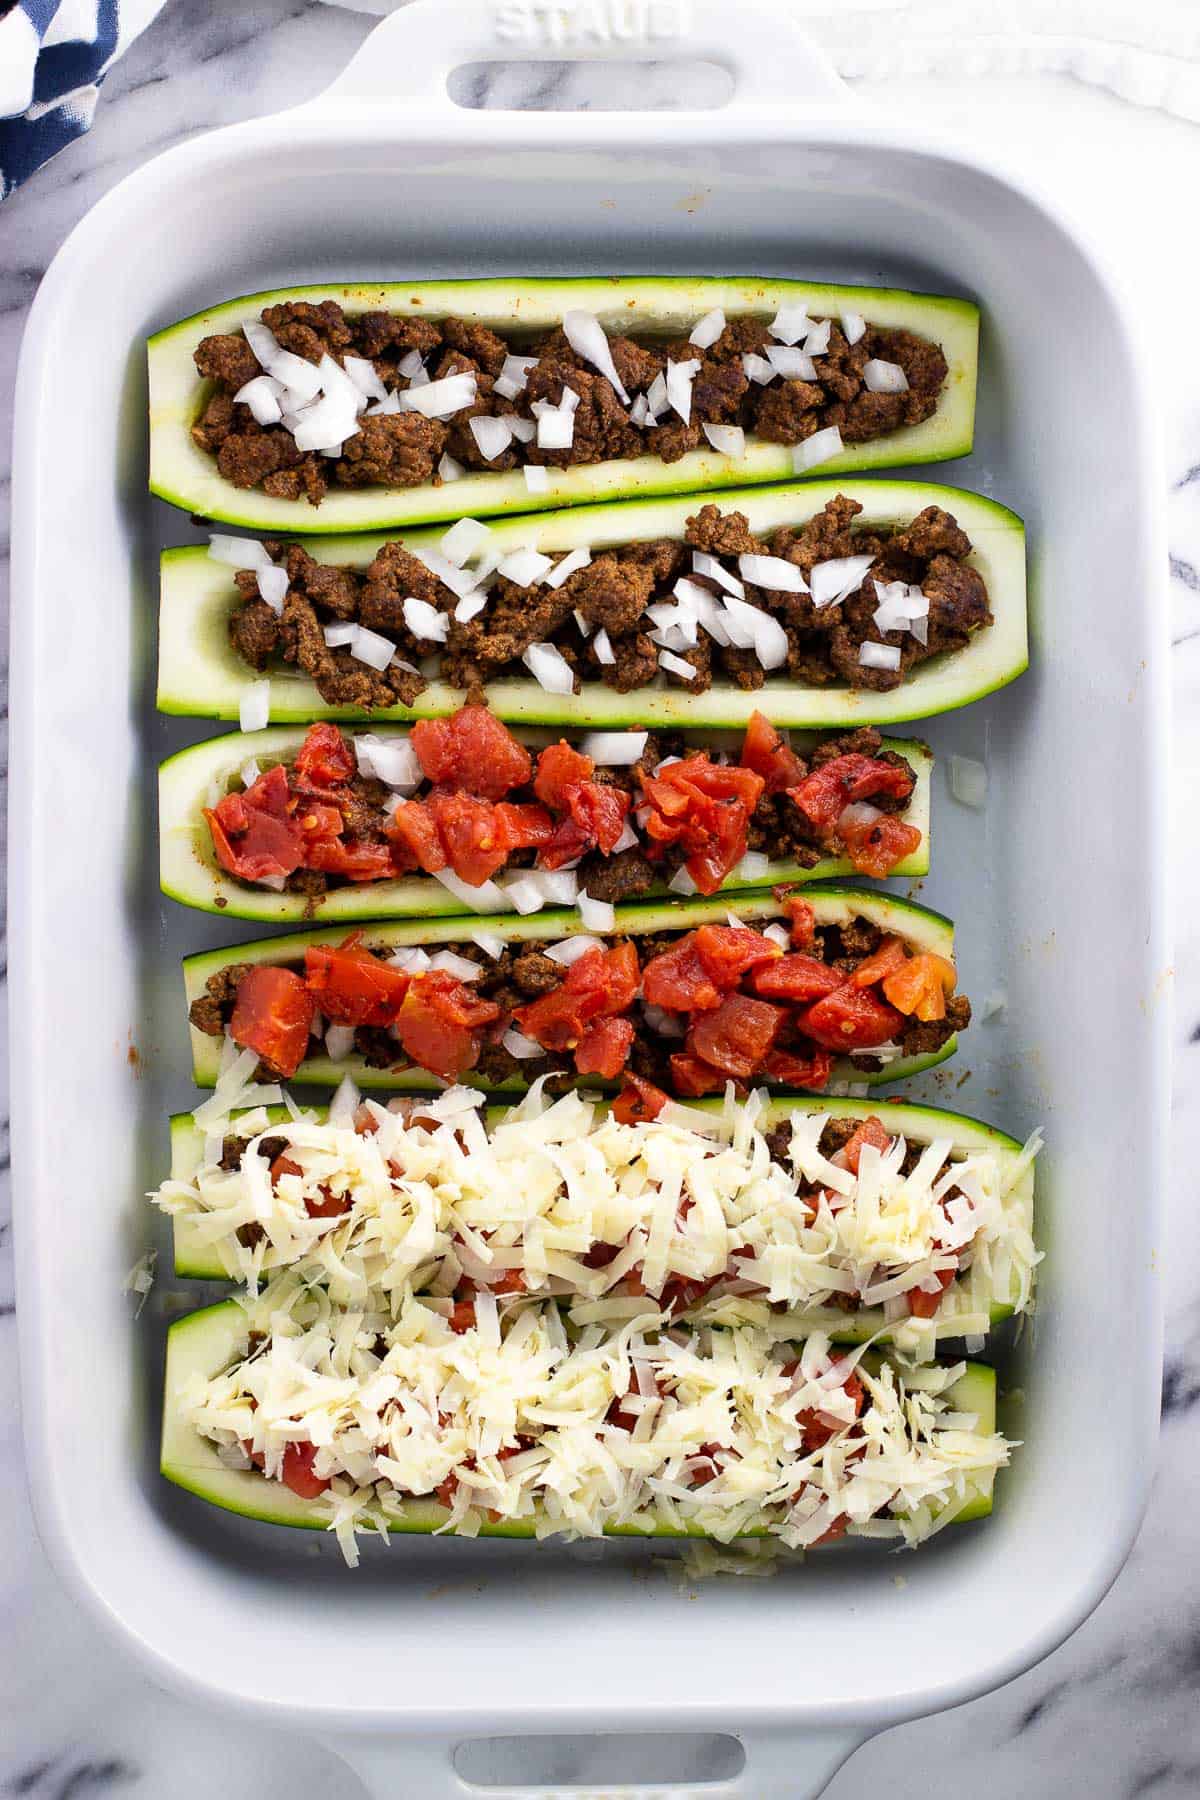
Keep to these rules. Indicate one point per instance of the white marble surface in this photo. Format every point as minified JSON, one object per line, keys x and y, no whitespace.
{"x":1111,"y":1716}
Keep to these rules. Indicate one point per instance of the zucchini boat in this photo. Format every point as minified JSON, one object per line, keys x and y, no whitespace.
{"x":201,"y":672}
{"x":210,"y":458}
{"x":832,"y":983}
{"x":231,"y":830}
{"x":215,"y":1404}
{"x":334,"y":1207}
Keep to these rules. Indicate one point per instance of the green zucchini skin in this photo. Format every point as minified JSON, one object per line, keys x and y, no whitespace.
{"x":199,"y":1261}
{"x":206,"y":1342}
{"x":190,"y":873}
{"x":188,"y":478}
{"x":200,"y":676}
{"x":918,"y":925}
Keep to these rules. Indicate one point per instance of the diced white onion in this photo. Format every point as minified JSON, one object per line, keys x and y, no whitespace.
{"x":441,"y":399}
{"x":570,"y":564}
{"x":559,"y":886}
{"x":791,"y":322}
{"x":327,"y":424}
{"x":639,"y":412}
{"x":385,"y":408}
{"x":838,"y":578}
{"x":758,"y":369}
{"x":679,"y":379}
{"x":338,"y":635}
{"x":572,"y":948}
{"x":345,"y":1103}
{"x":816,"y":343}
{"x":425,"y":620}
{"x":459,"y":581}
{"x":754,"y":866}
{"x":728,"y":440}
{"x":681,"y":882}
{"x":520,"y":1046}
{"x":753,"y":629}
{"x":524,"y":895}
{"x":968,"y":780}
{"x":774,"y":572}
{"x":411,"y":958}
{"x":901,"y":608}
{"x":392,"y":760}
{"x":487,"y":897}
{"x":493,"y":436}
{"x":556,"y":427}
{"x":273,"y":586}
{"x":627,"y":840}
{"x":656,"y":396}
{"x":614,"y":749}
{"x":549,"y":669}
{"x":254,"y":706}
{"x":261,"y":395}
{"x":993,"y":1003}
{"x":666,"y":1024}
{"x":461,"y":967}
{"x":707,"y":330}
{"x":239,"y":553}
{"x":465,"y":539}
{"x":489,"y":943}
{"x":712,"y":566}
{"x":448,"y":469}
{"x":469,"y":605}
{"x":513,"y":376}
{"x":339,"y":1042}
{"x":298,"y":375}
{"x":371,"y":648}
{"x":597,"y":915}
{"x":602,"y":647}
{"x":412,"y":366}
{"x":262,"y":341}
{"x":818,"y":448}
{"x":525,"y":568}
{"x":675,"y":665}
{"x":854,"y":326}
{"x":791,"y":363}
{"x":363,"y":373}
{"x":537,"y":478}
{"x":879,"y":656}
{"x":884,"y":377}
{"x":523,"y":430}
{"x":586,"y":336}
{"x":778,"y":934}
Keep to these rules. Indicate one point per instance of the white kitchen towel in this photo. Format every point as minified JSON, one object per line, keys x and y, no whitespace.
{"x":53,"y":56}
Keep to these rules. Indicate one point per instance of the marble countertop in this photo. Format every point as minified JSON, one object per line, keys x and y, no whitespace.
{"x":1113,"y":1714}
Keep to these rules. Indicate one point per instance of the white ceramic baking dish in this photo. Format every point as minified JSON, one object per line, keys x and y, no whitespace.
{"x":1056,"y":887}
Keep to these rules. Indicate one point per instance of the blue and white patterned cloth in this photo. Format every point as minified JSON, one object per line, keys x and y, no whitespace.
{"x":53,"y":56}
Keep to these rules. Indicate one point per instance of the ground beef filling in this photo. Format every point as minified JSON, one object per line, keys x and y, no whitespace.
{"x":778,"y":826}
{"x":524,"y":973}
{"x":612,"y":594}
{"x":399,"y":450}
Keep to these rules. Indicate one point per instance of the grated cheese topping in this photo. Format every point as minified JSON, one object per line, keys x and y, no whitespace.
{"x":699,"y":1431}
{"x":433,"y":1199}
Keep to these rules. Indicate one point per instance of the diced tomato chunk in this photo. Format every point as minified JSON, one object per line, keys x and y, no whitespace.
{"x":599,"y":811}
{"x":524,"y":827}
{"x":923,"y":1304}
{"x":809,"y":1072}
{"x":850,"y":1019}
{"x":678,"y":980}
{"x":736,"y":1037}
{"x":638,"y":1101}
{"x":875,"y":846}
{"x":273,"y":1015}
{"x":297,"y":1471}
{"x":601,"y":984}
{"x":604,"y":1048}
{"x":283,"y":1165}
{"x":325,"y":757}
{"x":415,"y":836}
{"x":727,"y":951}
{"x":890,"y":956}
{"x":801,"y":917}
{"x":352,"y":987}
{"x":471,"y":835}
{"x":819,"y":1427}
{"x":253,"y":834}
{"x":462,"y":1318}
{"x":621,"y":976}
{"x":438,"y":1023}
{"x":872,"y":1131}
{"x":765,"y":751}
{"x":559,"y":768}
{"x":329,"y":1206}
{"x":356,"y":860}
{"x":472,"y":750}
{"x":795,"y":977}
{"x":692,"y":1076}
{"x":317,"y":821}
{"x":921,"y":986}
{"x":822,"y":795}
{"x":706,"y":808}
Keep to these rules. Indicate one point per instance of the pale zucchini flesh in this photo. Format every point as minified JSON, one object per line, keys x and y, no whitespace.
{"x":206,"y":1342}
{"x":197,"y":1260}
{"x":921,"y":928}
{"x":199,"y":674}
{"x":188,"y":477}
{"x":189,"y":870}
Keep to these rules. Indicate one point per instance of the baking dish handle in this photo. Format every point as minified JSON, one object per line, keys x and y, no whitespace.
{"x":409,"y":57}
{"x":778,"y":1766}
